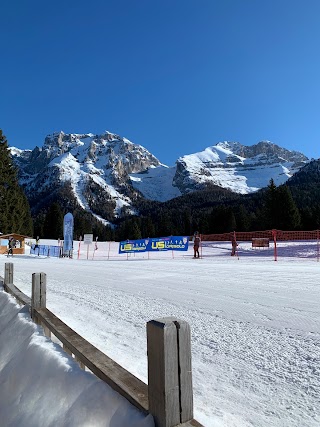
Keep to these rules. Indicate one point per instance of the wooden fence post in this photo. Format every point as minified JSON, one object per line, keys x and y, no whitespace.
{"x":169,"y":371}
{"x":8,"y":273}
{"x":39,"y":296}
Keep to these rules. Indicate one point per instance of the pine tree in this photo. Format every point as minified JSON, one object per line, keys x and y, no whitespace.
{"x":147,"y":227}
{"x":222,"y":220}
{"x":135,"y":232}
{"x":288,"y":213}
{"x":186,"y":231}
{"x":15,"y":214}
{"x":82,"y":224}
{"x":242,"y":219}
{"x":53,"y":223}
{"x":270,"y":213}
{"x":164,"y":225}
{"x":280,"y":210}
{"x":122,"y":232}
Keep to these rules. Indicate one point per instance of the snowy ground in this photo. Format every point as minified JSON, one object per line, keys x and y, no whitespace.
{"x":41,"y":386}
{"x":255,"y":322}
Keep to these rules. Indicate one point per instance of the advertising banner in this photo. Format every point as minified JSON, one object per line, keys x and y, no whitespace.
{"x":172,"y":243}
{"x":49,"y":251}
{"x":68,"y":233}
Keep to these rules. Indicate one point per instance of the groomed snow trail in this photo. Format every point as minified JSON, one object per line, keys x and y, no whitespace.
{"x":255,"y":326}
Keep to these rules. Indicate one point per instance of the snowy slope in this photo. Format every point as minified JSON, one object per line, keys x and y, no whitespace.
{"x":255,"y":323}
{"x":42,"y":386}
{"x":156,"y":183}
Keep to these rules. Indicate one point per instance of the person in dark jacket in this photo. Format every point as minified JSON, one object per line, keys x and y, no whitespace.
{"x":11,"y":245}
{"x":36,"y":246}
{"x":196,"y":244}
{"x":234,"y":246}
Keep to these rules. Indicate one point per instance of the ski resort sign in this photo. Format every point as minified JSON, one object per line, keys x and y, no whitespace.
{"x":87,"y":239}
{"x":172,"y":243}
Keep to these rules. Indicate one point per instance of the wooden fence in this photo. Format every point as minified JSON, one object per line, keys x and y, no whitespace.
{"x":168,"y":395}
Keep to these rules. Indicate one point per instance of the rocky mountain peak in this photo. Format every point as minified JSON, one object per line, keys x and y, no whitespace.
{"x":107,"y":172}
{"x":268,"y":149}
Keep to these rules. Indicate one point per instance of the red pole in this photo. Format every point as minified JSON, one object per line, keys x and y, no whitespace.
{"x":274,"y":234}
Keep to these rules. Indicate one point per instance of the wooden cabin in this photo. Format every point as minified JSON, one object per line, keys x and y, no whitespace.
{"x":20,"y":243}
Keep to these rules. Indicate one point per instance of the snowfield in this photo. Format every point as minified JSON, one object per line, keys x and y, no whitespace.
{"x":255,"y":323}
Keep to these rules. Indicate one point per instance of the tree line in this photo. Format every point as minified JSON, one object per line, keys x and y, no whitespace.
{"x":15,"y":215}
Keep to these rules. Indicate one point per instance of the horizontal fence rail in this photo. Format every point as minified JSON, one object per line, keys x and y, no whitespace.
{"x":169,"y":358}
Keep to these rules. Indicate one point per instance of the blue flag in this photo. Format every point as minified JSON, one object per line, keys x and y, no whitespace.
{"x":68,"y":233}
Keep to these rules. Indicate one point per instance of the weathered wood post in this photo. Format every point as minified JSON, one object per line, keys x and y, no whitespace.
{"x":8,"y":273}
{"x":169,"y":371}
{"x":39,"y":296}
{"x":81,"y":364}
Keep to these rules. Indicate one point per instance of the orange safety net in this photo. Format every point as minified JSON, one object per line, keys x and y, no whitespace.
{"x":247,"y":236}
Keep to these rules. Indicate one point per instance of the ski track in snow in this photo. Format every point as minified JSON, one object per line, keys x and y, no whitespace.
{"x":255,"y":327}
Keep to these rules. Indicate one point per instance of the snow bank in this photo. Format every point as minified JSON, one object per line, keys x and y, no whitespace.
{"x":42,"y":386}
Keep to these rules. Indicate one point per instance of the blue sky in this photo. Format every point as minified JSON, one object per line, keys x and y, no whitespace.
{"x":175,"y":76}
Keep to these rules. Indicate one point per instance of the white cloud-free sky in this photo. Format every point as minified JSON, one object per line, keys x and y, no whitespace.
{"x":255,"y":327}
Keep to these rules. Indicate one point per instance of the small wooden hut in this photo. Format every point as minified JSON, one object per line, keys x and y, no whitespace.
{"x":20,"y":243}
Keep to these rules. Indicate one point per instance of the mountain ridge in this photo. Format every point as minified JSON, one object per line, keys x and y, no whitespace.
{"x":107,"y":174}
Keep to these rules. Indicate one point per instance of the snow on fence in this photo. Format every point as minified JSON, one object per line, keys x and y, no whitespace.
{"x":168,"y":397}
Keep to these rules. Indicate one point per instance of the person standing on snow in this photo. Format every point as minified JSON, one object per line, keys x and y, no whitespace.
{"x":234,"y":245}
{"x":36,"y":246}
{"x":196,"y":244}
{"x":11,"y":245}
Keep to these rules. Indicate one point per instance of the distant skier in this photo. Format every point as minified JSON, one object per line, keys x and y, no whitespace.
{"x":11,"y":246}
{"x":234,"y":245}
{"x":196,"y":244}
{"x":36,"y":246}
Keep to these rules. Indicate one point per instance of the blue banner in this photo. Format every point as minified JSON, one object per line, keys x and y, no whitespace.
{"x":131,"y":246}
{"x":172,"y":243}
{"x":45,"y":250}
{"x":68,"y":233}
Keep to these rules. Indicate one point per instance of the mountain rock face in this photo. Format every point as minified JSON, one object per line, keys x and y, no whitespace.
{"x":96,"y":168}
{"x":237,"y":167}
{"x":106,"y":174}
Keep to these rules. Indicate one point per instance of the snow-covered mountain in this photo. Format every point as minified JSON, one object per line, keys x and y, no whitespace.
{"x":107,"y":173}
{"x":96,"y":167}
{"x":238,"y":168}
{"x":228,"y":165}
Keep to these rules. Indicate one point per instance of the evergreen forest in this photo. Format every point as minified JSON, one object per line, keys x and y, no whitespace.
{"x":15,"y":215}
